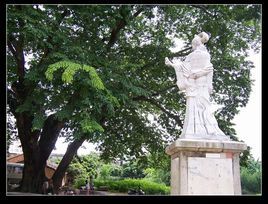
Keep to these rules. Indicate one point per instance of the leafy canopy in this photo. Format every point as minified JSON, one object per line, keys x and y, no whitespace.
{"x":100,"y":68}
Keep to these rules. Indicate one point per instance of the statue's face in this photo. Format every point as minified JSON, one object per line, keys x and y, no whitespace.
{"x":196,"y":42}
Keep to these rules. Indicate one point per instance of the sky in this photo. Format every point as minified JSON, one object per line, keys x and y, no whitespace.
{"x":248,"y":121}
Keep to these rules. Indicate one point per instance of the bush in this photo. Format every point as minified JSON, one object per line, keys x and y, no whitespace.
{"x":250,"y":181}
{"x":78,"y":182}
{"x":110,"y":171}
{"x":157,"y":175}
{"x":126,"y":184}
{"x":133,"y":169}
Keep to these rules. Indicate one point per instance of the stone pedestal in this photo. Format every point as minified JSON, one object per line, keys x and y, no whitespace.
{"x":205,"y":167}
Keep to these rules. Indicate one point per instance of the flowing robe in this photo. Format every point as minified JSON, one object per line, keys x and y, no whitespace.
{"x":194,"y":76}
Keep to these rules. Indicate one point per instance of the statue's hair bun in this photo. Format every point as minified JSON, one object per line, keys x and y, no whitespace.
{"x":204,"y":37}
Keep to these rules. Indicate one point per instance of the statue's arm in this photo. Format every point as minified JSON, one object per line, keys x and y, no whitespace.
{"x":168,"y":62}
{"x":177,"y":66}
{"x":201,"y":72}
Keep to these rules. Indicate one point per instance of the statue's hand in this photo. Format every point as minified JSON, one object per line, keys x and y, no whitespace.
{"x":192,"y":75}
{"x":167,"y":62}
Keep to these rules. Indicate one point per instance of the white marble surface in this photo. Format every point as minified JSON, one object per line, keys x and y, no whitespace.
{"x":205,"y":145}
{"x":210,"y":176}
{"x":175,"y":176}
{"x":194,"y":77}
{"x":205,"y":167}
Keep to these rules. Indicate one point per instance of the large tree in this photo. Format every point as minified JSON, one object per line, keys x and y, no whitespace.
{"x":98,"y":71}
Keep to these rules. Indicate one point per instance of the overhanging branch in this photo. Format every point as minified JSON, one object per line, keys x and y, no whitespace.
{"x":163,"y":90}
{"x":203,"y":8}
{"x":47,"y":50}
{"x":119,"y":26}
{"x":181,"y":53}
{"x":155,"y":103}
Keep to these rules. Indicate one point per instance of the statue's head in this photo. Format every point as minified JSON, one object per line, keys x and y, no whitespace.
{"x":204,"y":37}
{"x":199,"y":40}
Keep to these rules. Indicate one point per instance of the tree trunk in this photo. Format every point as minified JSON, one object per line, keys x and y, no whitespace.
{"x":36,"y":153}
{"x":33,"y":175}
{"x":32,"y":172}
{"x":66,"y":160}
{"x":49,"y":136}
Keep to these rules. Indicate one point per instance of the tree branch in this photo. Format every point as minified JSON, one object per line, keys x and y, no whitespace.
{"x":21,"y":62}
{"x":64,"y":163}
{"x":181,"y":53}
{"x":19,"y":49}
{"x":203,"y":8}
{"x":12,"y":102}
{"x":47,"y":50}
{"x":49,"y":135}
{"x":153,"y":102}
{"x":163,"y":90}
{"x":11,"y":47}
{"x":120,"y":25}
{"x":138,"y":12}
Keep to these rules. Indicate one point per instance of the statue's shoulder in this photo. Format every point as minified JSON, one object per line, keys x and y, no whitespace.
{"x":199,"y":53}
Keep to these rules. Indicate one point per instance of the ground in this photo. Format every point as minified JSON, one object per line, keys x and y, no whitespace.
{"x":97,"y":193}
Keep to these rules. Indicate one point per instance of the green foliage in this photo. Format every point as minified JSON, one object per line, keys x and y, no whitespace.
{"x":70,"y":69}
{"x":82,"y":73}
{"x":26,"y":106}
{"x":133,"y":169}
{"x":251,"y":177}
{"x":79,"y":182}
{"x":105,"y":171}
{"x":81,"y":168}
{"x":246,"y":157}
{"x":90,"y":126}
{"x":150,"y":188}
{"x":157,"y":175}
{"x":38,"y":122}
{"x":110,"y":171}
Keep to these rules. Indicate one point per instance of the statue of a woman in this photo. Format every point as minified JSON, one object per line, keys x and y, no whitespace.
{"x":194,"y":77}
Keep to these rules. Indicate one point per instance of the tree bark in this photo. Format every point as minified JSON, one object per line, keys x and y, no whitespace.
{"x":64,"y":163}
{"x":32,"y":171}
{"x":36,"y":153}
{"x":119,"y":26}
{"x":49,"y":136}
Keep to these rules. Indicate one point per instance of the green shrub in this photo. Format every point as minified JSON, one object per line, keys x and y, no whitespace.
{"x":250,"y":181}
{"x":157,"y":175}
{"x":126,"y":184}
{"x":78,"y":182}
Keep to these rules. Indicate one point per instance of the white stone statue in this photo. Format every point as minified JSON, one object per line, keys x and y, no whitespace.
{"x":194,"y":77}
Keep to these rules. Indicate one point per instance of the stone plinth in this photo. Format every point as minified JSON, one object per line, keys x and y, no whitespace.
{"x":205,"y":167}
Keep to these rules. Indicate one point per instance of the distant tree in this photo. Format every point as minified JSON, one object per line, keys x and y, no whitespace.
{"x":133,"y":169}
{"x":84,"y":167}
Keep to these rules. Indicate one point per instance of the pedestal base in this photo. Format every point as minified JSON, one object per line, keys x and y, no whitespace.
{"x":205,"y":167}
